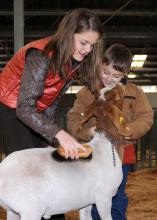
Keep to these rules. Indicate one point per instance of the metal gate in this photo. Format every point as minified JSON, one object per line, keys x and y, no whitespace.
{"x":146,"y":149}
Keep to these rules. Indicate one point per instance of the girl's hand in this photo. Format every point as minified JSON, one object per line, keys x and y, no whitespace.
{"x":69,"y":144}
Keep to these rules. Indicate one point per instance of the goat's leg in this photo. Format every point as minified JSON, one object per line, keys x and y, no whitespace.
{"x":34,"y":213}
{"x":12,"y":215}
{"x":85,"y":213}
{"x":104,"y":207}
{"x":32,"y":216}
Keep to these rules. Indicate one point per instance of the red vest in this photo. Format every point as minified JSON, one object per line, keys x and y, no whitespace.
{"x":11,"y":75}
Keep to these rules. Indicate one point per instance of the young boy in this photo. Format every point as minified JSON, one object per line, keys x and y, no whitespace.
{"x":136,"y":108}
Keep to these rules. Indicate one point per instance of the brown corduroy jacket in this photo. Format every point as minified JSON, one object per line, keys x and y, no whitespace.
{"x":136,"y":109}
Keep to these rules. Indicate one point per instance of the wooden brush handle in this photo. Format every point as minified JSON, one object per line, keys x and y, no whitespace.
{"x":82,"y":154}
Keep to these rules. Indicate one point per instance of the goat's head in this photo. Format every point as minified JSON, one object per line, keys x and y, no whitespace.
{"x":108,"y":111}
{"x":113,"y":94}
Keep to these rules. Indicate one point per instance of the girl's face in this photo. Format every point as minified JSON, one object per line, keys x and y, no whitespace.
{"x":83,"y":44}
{"x":110,"y":75}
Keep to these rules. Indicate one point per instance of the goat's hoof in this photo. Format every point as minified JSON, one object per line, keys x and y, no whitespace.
{"x":82,"y":154}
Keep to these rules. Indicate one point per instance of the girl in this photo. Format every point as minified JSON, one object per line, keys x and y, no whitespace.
{"x":33,"y":81}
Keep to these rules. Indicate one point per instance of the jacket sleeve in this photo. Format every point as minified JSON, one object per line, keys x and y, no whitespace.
{"x":142,"y":116}
{"x":31,"y":89}
{"x":77,"y":114}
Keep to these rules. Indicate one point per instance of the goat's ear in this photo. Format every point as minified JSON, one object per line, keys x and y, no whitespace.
{"x":110,"y":95}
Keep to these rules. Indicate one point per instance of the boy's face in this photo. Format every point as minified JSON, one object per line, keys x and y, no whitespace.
{"x":110,"y":75}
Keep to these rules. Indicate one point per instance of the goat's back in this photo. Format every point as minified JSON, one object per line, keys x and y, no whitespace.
{"x":33,"y":177}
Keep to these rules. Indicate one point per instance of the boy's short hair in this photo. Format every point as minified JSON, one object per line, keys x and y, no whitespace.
{"x":119,"y":56}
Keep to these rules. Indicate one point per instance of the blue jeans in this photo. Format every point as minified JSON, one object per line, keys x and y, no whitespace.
{"x":119,"y":201}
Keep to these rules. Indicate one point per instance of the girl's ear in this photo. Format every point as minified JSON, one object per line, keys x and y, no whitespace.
{"x":124,"y":80}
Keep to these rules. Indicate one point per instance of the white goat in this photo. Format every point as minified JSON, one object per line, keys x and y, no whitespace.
{"x":33,"y":184}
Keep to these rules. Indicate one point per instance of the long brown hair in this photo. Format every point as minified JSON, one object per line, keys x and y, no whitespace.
{"x":62,"y":42}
